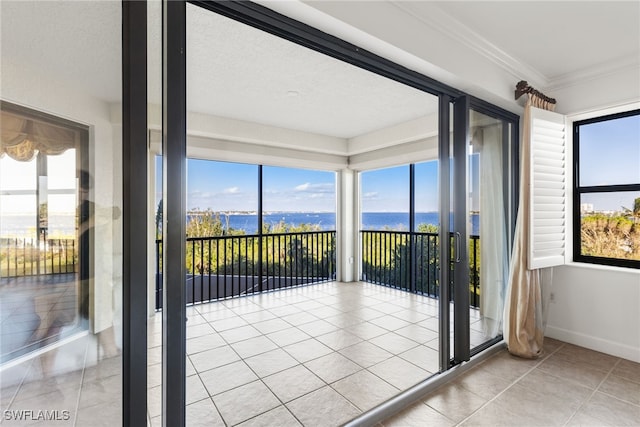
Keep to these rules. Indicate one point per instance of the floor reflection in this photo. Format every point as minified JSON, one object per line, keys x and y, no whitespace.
{"x":36,"y":311}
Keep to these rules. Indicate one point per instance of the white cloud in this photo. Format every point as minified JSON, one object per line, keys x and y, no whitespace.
{"x":370,"y":195}
{"x":231,"y":190}
{"x":307,"y":187}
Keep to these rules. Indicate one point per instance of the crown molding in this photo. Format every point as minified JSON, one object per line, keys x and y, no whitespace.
{"x":441,"y":21}
{"x":449,"y":26}
{"x":602,"y":70}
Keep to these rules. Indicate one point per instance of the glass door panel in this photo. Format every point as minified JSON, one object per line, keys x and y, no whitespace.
{"x":487,"y":241}
{"x":61,"y":213}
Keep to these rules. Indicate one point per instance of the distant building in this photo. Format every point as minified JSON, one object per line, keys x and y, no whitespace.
{"x":586,"y":208}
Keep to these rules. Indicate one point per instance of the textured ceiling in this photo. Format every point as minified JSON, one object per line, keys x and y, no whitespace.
{"x":77,"y":43}
{"x":236,"y":71}
{"x":239,"y":72}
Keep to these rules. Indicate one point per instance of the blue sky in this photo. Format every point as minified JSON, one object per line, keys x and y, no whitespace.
{"x":609,"y":155}
{"x":223,"y":186}
{"x":387,"y":190}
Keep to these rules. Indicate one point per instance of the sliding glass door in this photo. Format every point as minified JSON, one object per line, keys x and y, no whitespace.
{"x":62,"y":313}
{"x":482,"y":195}
{"x":243,"y":105}
{"x":488,"y":242}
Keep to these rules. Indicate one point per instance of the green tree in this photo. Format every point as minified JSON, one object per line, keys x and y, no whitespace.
{"x":615,"y":236}
{"x":159,"y":220}
{"x":428,"y":228}
{"x":204,"y":224}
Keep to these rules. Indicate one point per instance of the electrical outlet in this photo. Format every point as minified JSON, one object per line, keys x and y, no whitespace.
{"x":552,"y":297}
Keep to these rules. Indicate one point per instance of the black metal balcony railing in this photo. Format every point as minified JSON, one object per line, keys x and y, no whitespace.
{"x":410,"y":261}
{"x":228,"y":266}
{"x":32,"y":257}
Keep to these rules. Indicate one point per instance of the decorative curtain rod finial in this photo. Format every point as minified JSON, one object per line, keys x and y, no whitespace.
{"x":523,"y":87}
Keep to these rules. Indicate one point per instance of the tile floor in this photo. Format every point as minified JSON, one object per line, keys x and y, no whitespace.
{"x":317,"y":355}
{"x":569,"y":386}
{"x":76,"y":382}
{"x":321,"y":355}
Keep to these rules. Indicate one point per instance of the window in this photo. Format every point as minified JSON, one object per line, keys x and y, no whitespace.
{"x":607,"y":190}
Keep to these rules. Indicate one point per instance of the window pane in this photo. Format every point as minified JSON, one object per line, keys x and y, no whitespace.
{"x":15,"y":175}
{"x":384,"y":199}
{"x":610,"y":152}
{"x":18,"y":216}
{"x":302,"y":199}
{"x":426,"y":185}
{"x":223,"y":193}
{"x":61,"y":170}
{"x":610,"y":225}
{"x":62,"y":216}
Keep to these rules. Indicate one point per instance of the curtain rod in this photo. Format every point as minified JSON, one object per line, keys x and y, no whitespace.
{"x":523,"y":87}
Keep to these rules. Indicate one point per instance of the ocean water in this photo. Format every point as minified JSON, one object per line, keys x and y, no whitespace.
{"x":327,"y":221}
{"x":60,"y":226}
{"x":24,"y":226}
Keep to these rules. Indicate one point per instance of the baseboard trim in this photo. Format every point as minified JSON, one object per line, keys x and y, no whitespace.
{"x":594,"y":343}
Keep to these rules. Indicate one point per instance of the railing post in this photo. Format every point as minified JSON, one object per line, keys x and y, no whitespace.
{"x":158,"y":272}
{"x":260,"y":232}
{"x":412,"y":225}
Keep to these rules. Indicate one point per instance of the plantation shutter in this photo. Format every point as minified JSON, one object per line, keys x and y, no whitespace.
{"x":547,"y":221}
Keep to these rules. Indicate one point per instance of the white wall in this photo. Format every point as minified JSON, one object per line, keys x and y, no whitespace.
{"x":598,"y":308}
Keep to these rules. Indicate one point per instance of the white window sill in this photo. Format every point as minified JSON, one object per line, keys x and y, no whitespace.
{"x":601,"y":267}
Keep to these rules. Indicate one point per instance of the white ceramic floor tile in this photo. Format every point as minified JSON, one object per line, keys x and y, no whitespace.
{"x":239,"y":334}
{"x":332,"y":367}
{"x":393,"y":342}
{"x":213,"y":358}
{"x":253,"y":346}
{"x":318,"y":327}
{"x":338,"y":340}
{"x":227,"y":377}
{"x":288,"y":336}
{"x":365,"y":354}
{"x":323,"y":408}
{"x":366,"y":330}
{"x":399,"y":373}
{"x":271,"y":362}
{"x":203,"y":414}
{"x":423,"y":357}
{"x":310,"y":349}
{"x":279,"y":416}
{"x":293,"y":383}
{"x":245,"y":402}
{"x":353,"y":388}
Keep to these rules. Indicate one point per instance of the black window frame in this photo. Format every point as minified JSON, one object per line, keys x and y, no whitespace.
{"x":579,"y":190}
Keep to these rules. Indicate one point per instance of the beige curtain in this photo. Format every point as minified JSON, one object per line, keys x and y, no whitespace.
{"x":23,"y":138}
{"x":523,"y":318}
